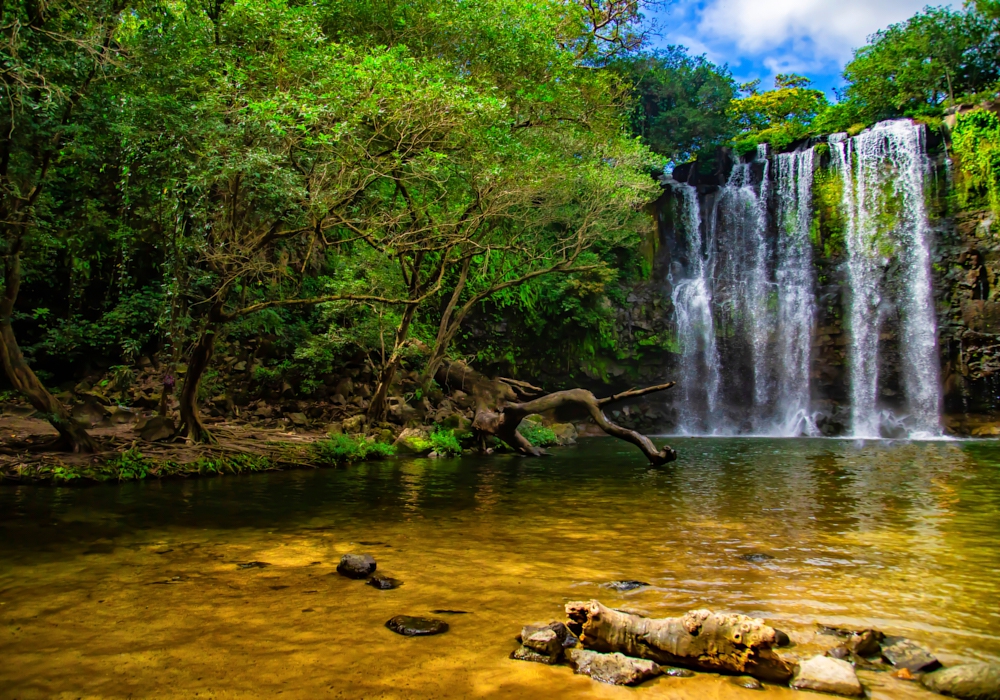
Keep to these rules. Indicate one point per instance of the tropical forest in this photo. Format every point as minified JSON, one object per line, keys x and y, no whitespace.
{"x":650,"y":347}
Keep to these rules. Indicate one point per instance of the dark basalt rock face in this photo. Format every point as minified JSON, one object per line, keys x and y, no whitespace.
{"x":356,"y":565}
{"x":383,"y":582}
{"x":410,"y":626}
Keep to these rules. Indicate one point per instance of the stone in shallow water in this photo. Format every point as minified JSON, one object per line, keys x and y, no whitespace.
{"x":975,"y":681}
{"x":756,"y":557}
{"x":616,"y":669}
{"x":565,"y":635}
{"x":903,"y":653}
{"x":622,"y":586}
{"x":781,"y":639}
{"x":356,"y":565}
{"x":450,"y":612}
{"x":410,"y":626}
{"x":544,"y":641}
{"x":747,"y":682}
{"x":675,"y":672}
{"x":383,"y":582}
{"x":865,"y":642}
{"x":827,"y":676}
{"x":523,"y":653}
{"x":253,"y":565}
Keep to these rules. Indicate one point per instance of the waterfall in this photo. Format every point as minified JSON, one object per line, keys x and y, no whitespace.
{"x":796,"y":294}
{"x":743,"y":271}
{"x":883,"y":172}
{"x":692,"y":299}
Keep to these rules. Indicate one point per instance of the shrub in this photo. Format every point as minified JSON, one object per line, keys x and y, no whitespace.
{"x":445,"y":443}
{"x":537,"y":434}
{"x":130,"y":464}
{"x":338,"y":450}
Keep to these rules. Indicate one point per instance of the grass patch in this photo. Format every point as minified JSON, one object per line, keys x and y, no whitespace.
{"x":537,"y":434}
{"x":338,"y":450}
{"x":445,"y":443}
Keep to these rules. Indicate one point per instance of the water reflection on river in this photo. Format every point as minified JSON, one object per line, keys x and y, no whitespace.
{"x":133,"y":590}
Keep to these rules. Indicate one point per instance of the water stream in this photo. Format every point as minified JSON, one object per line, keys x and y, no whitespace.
{"x":134,"y":590}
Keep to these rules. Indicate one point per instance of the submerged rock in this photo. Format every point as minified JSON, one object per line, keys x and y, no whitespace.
{"x":523,"y":653}
{"x":410,"y":626}
{"x":616,"y":668}
{"x":356,"y":565}
{"x":675,"y":672}
{"x":827,"y":675}
{"x":748,"y":682}
{"x":756,"y":557}
{"x":975,"y":681}
{"x":383,"y":582}
{"x":622,"y":586}
{"x":905,"y":654}
{"x":865,"y":642}
{"x":253,"y":565}
{"x":563,"y":633}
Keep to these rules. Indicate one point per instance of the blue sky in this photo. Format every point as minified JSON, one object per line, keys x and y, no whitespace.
{"x":760,"y":38}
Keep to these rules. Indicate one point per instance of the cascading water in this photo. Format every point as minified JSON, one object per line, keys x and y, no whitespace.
{"x":743,"y":280}
{"x":796,"y":294}
{"x":692,"y":299}
{"x":883,"y":170}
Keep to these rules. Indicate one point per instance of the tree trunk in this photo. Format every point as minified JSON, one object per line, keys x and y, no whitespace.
{"x":72,"y":435}
{"x":191,"y":425}
{"x":446,"y":328}
{"x":379,"y":406}
{"x":504,"y":423}
{"x":700,"y":639}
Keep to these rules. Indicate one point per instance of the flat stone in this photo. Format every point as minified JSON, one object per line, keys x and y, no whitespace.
{"x":410,"y":626}
{"x":523,"y":653}
{"x":616,"y":669}
{"x":544,"y":641}
{"x":562,"y":632}
{"x":903,"y":653}
{"x":356,"y":565}
{"x":384,"y":583}
{"x":827,"y":675}
{"x":622,"y":586}
{"x":975,"y":681}
{"x":748,"y":682}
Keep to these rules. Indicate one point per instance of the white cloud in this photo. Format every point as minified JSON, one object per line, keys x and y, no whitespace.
{"x":780,"y":36}
{"x":822,"y":29}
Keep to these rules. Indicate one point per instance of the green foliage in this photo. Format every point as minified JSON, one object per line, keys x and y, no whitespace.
{"x":130,"y":465}
{"x":913,"y":68}
{"x":976,"y":144}
{"x":537,"y":434}
{"x":828,"y":227}
{"x":445,"y":443}
{"x":680,"y":102}
{"x":338,"y":450}
{"x":780,"y":116}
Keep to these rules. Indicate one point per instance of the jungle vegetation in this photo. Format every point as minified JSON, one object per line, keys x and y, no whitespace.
{"x":401,"y":180}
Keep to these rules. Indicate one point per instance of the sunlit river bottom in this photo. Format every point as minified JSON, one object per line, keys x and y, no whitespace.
{"x":134,"y":590}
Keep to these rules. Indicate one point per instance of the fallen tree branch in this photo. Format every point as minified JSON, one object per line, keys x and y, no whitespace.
{"x":700,"y":639}
{"x":504,"y":423}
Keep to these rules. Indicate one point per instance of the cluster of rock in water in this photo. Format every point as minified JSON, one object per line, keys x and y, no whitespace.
{"x":620,"y":648}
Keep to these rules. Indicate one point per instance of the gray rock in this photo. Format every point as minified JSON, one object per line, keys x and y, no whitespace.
{"x":156,"y":428}
{"x":410,"y":626}
{"x":544,"y":641}
{"x":523,"y":653}
{"x":827,"y":676}
{"x":616,"y":669}
{"x":903,"y":653}
{"x":356,"y":565}
{"x":748,"y":682}
{"x":384,"y":583}
{"x":975,"y":681}
{"x":675,"y":672}
{"x":562,"y":632}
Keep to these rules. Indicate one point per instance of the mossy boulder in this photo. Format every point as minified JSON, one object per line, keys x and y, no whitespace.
{"x":414,"y":441}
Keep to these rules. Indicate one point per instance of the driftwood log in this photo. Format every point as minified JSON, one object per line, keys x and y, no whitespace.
{"x":700,"y":640}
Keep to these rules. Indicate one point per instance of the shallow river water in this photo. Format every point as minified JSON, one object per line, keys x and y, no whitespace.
{"x":133,"y":590}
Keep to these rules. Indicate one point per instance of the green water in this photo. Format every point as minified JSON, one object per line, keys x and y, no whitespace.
{"x":133,"y":590}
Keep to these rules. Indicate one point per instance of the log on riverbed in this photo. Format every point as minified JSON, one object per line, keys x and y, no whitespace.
{"x":701,"y":640}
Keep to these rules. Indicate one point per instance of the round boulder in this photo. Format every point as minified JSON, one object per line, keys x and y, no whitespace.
{"x":356,"y":565}
{"x":975,"y":681}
